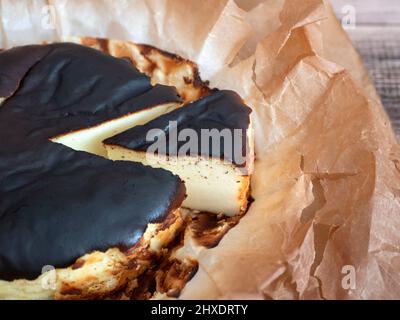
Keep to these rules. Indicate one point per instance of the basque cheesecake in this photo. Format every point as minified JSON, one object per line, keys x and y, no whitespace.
{"x":96,"y":221}
{"x":103,"y":226}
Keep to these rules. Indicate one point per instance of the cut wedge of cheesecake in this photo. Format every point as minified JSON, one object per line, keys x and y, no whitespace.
{"x":207,"y":143}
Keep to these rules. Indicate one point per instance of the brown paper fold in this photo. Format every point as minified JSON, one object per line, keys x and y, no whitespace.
{"x":326,"y":215}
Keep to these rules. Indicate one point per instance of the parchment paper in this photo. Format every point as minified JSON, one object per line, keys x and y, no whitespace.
{"x":326,"y":217}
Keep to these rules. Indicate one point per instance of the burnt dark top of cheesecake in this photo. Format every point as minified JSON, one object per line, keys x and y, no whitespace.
{"x":221,"y":110}
{"x":57,"y":204}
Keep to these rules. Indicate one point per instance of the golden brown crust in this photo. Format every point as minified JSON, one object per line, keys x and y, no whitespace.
{"x":168,"y":278}
{"x":244,"y":193}
{"x":161,"y":66}
{"x":96,"y":275}
{"x":208,"y":229}
{"x":117,"y":268}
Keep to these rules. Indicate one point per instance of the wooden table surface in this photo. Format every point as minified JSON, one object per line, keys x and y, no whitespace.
{"x":376,"y":35}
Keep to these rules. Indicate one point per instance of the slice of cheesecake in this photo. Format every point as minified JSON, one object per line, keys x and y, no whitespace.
{"x":208,"y":143}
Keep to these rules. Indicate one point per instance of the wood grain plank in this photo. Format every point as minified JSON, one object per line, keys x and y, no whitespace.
{"x":380,"y":49}
{"x":377,"y":38}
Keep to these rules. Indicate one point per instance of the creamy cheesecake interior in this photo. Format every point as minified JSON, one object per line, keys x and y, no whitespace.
{"x":91,"y":139}
{"x":212,"y":185}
